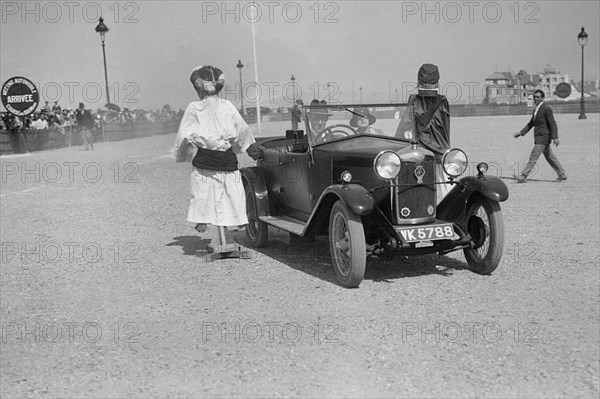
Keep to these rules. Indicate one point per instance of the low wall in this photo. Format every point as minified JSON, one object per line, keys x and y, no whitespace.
{"x":46,"y":139}
{"x":591,"y":106}
{"x":36,"y":140}
{"x":39,"y":140}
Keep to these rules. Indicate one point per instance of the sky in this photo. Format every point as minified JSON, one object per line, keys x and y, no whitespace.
{"x":340,"y":51}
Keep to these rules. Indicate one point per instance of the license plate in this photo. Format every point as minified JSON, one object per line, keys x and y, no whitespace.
{"x":441,"y":231}
{"x":423,"y":244}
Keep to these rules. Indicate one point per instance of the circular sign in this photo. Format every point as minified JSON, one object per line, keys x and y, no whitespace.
{"x":563,"y":90}
{"x":20,"y":97}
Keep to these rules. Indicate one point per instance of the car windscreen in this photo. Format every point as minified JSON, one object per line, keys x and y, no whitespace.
{"x":331,"y":123}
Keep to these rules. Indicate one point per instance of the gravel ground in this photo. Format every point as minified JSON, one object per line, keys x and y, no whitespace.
{"x":105,"y":291}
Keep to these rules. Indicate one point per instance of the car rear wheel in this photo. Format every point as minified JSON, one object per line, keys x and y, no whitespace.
{"x":347,"y":245}
{"x":486,"y":227}
{"x":257,"y":231}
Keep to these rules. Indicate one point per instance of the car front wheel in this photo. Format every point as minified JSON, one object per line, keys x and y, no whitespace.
{"x":347,"y":245}
{"x":486,"y":227}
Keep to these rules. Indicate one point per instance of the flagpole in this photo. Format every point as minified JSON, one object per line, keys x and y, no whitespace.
{"x":258,"y":121}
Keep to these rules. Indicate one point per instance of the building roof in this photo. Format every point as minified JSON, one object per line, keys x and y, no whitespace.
{"x":499,"y":75}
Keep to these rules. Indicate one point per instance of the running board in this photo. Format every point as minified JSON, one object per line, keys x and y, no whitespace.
{"x":285,"y":223}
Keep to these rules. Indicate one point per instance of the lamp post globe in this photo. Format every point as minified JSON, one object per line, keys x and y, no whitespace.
{"x":102,"y":29}
{"x":240,"y":66}
{"x":582,"y":39}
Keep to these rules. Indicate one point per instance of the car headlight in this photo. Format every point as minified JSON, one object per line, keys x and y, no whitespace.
{"x":454,"y":162}
{"x":346,"y":176}
{"x":387,"y":164}
{"x":482,"y":168}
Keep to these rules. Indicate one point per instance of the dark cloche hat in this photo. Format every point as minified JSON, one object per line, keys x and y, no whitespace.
{"x":428,"y":74}
{"x":319,"y":112}
{"x":365,"y":113}
{"x":428,"y":80}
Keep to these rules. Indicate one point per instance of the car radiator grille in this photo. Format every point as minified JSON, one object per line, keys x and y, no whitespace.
{"x":414,"y":202}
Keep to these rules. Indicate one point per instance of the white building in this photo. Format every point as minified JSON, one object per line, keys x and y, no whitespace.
{"x":506,"y":88}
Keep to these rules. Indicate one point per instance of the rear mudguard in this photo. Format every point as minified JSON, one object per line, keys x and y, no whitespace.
{"x":253,"y":178}
{"x":453,"y":207}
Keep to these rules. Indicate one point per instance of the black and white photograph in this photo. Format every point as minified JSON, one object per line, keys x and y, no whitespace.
{"x":300,"y":199}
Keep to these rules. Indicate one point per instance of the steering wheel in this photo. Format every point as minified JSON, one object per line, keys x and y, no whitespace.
{"x":334,"y":132}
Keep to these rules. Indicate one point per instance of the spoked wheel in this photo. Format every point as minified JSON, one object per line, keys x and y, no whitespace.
{"x":257,"y":231}
{"x":486,"y":227}
{"x":347,"y":245}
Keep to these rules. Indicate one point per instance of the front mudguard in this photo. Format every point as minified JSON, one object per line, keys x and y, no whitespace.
{"x":354,"y":196}
{"x":453,"y":207}
{"x":253,"y":178}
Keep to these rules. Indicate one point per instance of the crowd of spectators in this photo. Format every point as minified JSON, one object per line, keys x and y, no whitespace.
{"x":63,"y":120}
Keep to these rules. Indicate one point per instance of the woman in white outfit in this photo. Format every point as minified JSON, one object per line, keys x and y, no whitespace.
{"x":214,"y":129}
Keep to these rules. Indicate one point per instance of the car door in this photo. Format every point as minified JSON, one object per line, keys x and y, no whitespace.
{"x":296,"y":184}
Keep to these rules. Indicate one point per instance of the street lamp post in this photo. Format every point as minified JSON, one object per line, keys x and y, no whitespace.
{"x":240,"y":66}
{"x":295,"y":118}
{"x":102,"y":29}
{"x":360,"y":90}
{"x":293,"y":78}
{"x":582,"y":39}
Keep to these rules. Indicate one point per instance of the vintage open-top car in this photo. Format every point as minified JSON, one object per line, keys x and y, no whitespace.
{"x":358,"y":176}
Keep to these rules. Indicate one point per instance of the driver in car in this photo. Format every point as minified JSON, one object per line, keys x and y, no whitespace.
{"x":318,"y":118}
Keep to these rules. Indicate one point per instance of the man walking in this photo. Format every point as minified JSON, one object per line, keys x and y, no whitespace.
{"x":544,"y":132}
{"x":296,"y":114}
{"x":85,"y":124}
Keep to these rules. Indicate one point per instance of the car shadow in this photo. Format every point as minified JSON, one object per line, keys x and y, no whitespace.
{"x":313,"y":258}
{"x":528,"y":179}
{"x":191,"y":245}
{"x":310,"y":257}
{"x":388,"y":268}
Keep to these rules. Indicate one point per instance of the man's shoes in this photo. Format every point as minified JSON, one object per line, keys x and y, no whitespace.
{"x":520,"y":178}
{"x":561,"y":179}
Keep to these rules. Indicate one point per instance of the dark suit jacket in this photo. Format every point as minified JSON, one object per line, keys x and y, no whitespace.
{"x":84,"y":119}
{"x":544,"y":126}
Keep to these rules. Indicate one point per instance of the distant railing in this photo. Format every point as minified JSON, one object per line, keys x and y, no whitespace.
{"x":592,"y":106}
{"x":39,"y":140}
{"x":47,"y":139}
{"x":134,"y":130}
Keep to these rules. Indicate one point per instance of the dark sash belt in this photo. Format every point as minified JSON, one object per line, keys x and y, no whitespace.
{"x":223,"y":161}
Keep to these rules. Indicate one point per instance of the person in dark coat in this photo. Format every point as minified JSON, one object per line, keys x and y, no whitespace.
{"x":85,"y":124}
{"x":431,"y":120}
{"x":545,"y":131}
{"x":15,"y":134}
